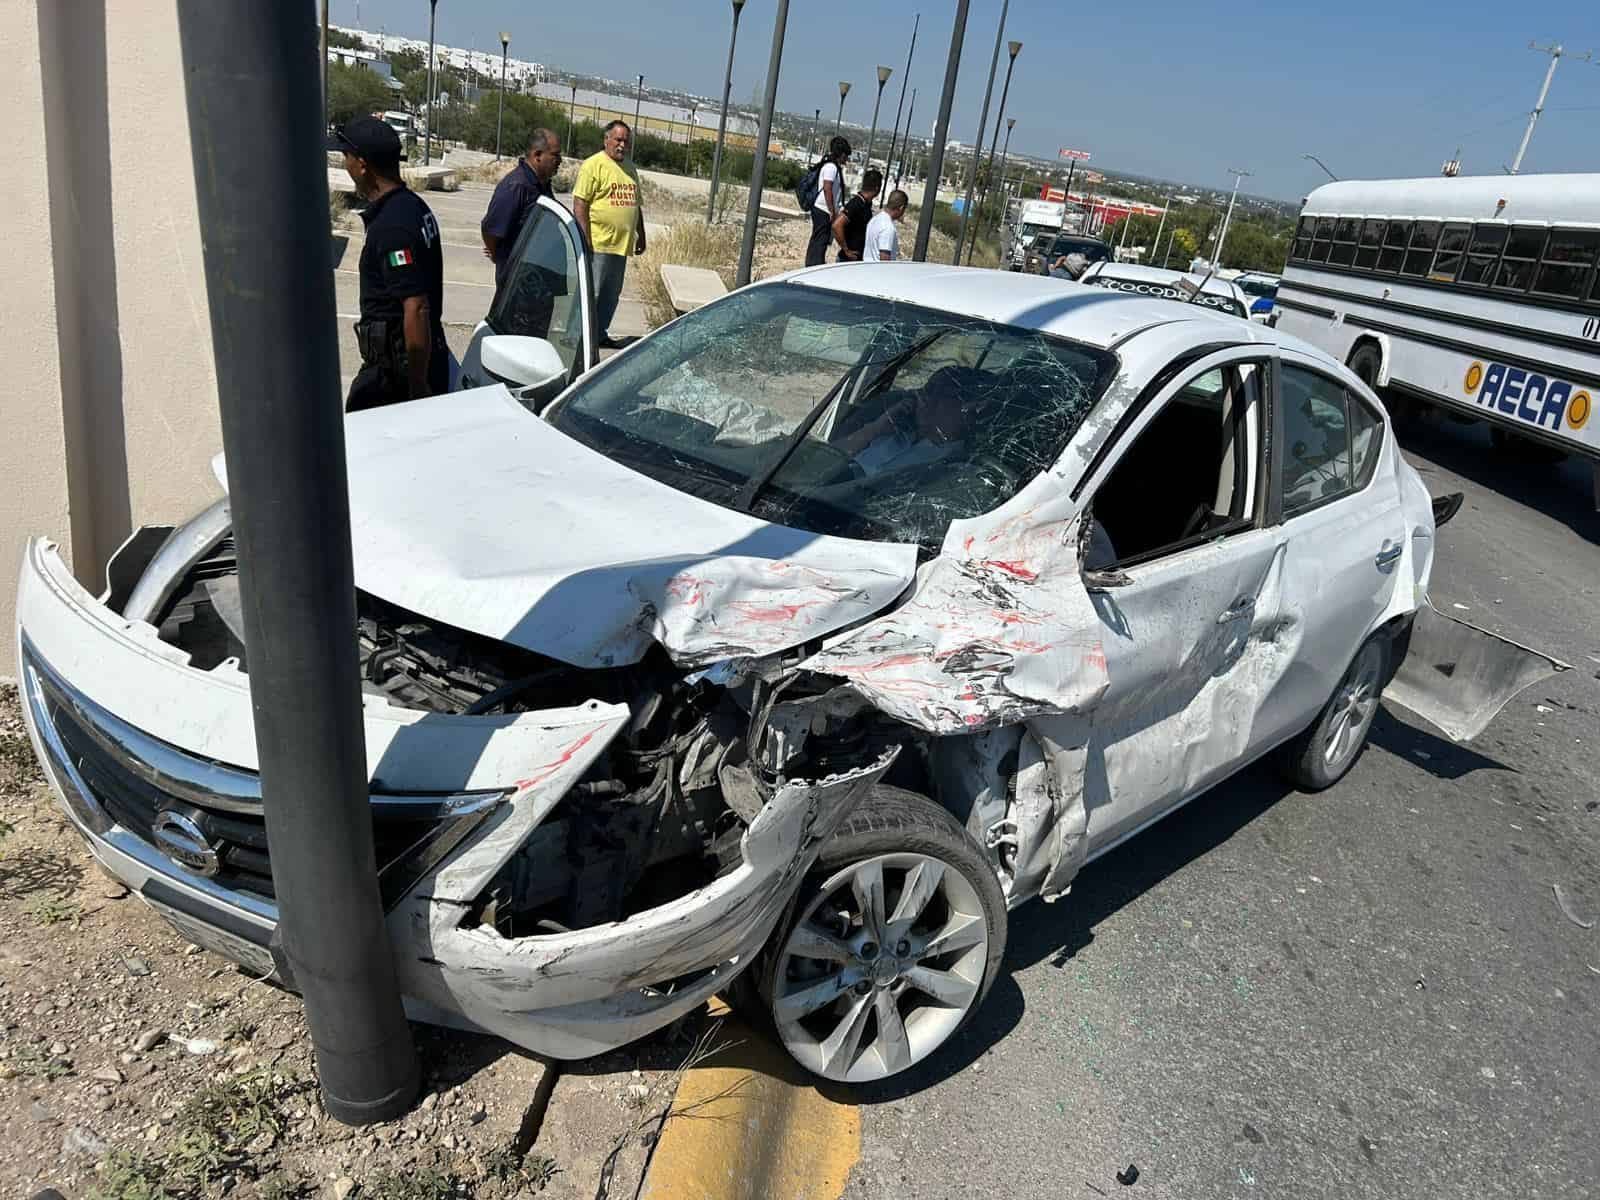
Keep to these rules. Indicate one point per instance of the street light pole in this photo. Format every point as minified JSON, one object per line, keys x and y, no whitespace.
{"x":1156,"y":245}
{"x":838,"y":124}
{"x":941,"y":132}
{"x":500,"y":120}
{"x":1238,"y":178}
{"x":427,"y":145}
{"x":898,"y":108}
{"x":758,"y":168}
{"x":1015,"y":48}
{"x":1555,"y":52}
{"x":722,"y":124}
{"x":883,"y":78}
{"x":688,"y":141}
{"x":572,"y":117}
{"x":983,"y":123}
{"x":1323,"y":165}
{"x":633,"y":134}
{"x":1005,"y":152}
{"x":816,"y":119}
{"x":905,"y":142}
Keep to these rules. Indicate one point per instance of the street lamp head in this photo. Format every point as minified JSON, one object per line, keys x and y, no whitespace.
{"x":737,"y":5}
{"x":1014,"y":47}
{"x":1011,"y":123}
{"x":883,"y":75}
{"x":844,"y":89}
{"x":505,"y":39}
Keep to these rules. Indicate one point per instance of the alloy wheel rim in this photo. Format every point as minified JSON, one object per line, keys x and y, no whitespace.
{"x":1355,"y":705}
{"x":880,"y":968}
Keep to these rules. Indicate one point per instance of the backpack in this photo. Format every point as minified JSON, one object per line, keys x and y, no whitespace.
{"x":810,"y":186}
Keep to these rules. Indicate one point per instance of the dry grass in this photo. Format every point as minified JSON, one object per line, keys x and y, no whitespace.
{"x":691,"y":244}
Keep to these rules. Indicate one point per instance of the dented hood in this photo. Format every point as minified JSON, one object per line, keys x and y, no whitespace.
{"x":468,"y":509}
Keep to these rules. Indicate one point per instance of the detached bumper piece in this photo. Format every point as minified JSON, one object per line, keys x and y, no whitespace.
{"x":206,"y":818}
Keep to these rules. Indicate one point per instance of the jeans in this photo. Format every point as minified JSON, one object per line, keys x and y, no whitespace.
{"x":608,"y":272}
{"x":821,"y":238}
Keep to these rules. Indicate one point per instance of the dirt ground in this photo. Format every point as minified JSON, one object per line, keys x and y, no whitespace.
{"x":135,"y":1067}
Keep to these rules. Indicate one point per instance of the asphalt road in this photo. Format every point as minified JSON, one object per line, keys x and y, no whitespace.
{"x":1367,"y":992}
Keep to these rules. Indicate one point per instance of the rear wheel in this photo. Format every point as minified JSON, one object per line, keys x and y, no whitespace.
{"x":1322,"y":755}
{"x":892,"y":943}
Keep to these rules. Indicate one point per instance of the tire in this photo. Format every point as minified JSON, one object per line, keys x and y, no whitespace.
{"x":875,"y":1019}
{"x":1322,"y":755}
{"x":1365,"y":363}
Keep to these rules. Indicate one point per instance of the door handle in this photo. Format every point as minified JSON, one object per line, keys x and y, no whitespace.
{"x":1388,"y":554}
{"x":1244,"y":606}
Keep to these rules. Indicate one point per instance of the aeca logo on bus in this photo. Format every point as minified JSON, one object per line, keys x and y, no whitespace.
{"x":1528,"y":395}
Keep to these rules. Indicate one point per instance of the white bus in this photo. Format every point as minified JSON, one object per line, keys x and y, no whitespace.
{"x":1475,"y":294}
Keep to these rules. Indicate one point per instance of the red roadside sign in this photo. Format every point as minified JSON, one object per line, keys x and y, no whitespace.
{"x":1080,"y":155}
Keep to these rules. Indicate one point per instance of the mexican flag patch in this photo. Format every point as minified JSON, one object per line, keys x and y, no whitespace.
{"x":400,"y":258}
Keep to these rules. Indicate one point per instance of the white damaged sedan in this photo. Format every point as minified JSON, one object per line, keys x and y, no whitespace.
{"x":792,"y":647}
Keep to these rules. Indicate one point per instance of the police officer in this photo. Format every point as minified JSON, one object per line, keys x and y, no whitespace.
{"x":401,"y":332}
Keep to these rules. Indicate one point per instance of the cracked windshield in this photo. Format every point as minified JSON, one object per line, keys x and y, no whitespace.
{"x":841,"y":414}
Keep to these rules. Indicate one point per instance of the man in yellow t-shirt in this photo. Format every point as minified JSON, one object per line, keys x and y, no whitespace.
{"x":606,"y":202}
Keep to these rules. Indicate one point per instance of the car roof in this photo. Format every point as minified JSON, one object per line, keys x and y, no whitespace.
{"x":1095,"y":316}
{"x":1143,"y":274}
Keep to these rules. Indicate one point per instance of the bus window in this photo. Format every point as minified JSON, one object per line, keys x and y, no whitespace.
{"x":1394,"y":246}
{"x":1568,"y":259}
{"x":1302,"y":238}
{"x":1452,"y":248}
{"x":1324,"y":236}
{"x":1483,"y":254}
{"x":1371,"y":241}
{"x":1523,"y":249}
{"x":1343,"y":252}
{"x":1419,"y":257}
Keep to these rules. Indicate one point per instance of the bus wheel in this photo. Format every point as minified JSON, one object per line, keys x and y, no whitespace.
{"x":1365,"y":362}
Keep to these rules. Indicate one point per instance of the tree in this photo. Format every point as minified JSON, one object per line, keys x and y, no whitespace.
{"x":339,"y":39}
{"x":354,"y":92}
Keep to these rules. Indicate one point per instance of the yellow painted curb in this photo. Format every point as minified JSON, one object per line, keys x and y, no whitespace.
{"x":748,"y":1125}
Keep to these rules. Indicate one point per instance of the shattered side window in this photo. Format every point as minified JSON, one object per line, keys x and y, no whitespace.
{"x":841,"y":414}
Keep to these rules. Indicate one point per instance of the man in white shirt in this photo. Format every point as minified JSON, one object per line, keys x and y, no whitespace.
{"x":830,"y":199}
{"x":883,"y":239}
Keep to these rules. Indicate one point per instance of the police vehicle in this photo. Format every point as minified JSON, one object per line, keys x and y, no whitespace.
{"x":1262,"y":289}
{"x":1478,"y":295}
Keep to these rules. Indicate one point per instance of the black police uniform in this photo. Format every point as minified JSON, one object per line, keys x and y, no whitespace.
{"x":400,"y":258}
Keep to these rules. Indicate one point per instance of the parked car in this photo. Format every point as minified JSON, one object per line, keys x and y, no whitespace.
{"x":1263,"y":292}
{"x":785,"y":653}
{"x":1203,"y":291}
{"x":1048,"y":248}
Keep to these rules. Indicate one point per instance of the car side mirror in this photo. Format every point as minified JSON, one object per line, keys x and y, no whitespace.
{"x":523,"y":362}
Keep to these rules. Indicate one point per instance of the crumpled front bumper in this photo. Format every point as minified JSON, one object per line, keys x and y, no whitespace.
{"x":566,"y":995}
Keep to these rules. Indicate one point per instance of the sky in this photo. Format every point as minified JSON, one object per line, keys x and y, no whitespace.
{"x":1179,"y":91}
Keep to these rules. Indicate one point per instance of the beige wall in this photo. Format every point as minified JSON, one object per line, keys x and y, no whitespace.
{"x":33,"y":483}
{"x":112,"y":417}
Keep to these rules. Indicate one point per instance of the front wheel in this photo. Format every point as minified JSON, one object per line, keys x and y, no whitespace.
{"x":893,"y":942}
{"x":1323,"y":754}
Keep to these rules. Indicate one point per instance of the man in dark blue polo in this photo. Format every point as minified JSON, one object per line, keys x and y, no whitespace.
{"x":514,"y":198}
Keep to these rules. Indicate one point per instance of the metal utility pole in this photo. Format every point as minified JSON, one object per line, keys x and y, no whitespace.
{"x":688,"y":142}
{"x":249,"y":65}
{"x":722,"y":124}
{"x":427,"y":145}
{"x":883,"y":78}
{"x":1323,"y":165}
{"x":758,"y":168}
{"x":638,"y":99}
{"x":1015,"y":48}
{"x":1555,"y":52}
{"x":838,"y":124}
{"x":905,"y":143}
{"x":500,"y":120}
{"x":941,"y":132}
{"x":899,"y":108}
{"x":325,"y":62}
{"x":1238,"y":178}
{"x":1156,"y":245}
{"x":1005,"y":152}
{"x":572,"y":117}
{"x":983,"y":123}
{"x":1066,"y":193}
{"x":816,"y":119}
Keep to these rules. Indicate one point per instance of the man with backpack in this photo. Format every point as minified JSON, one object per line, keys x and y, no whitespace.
{"x":821,"y":193}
